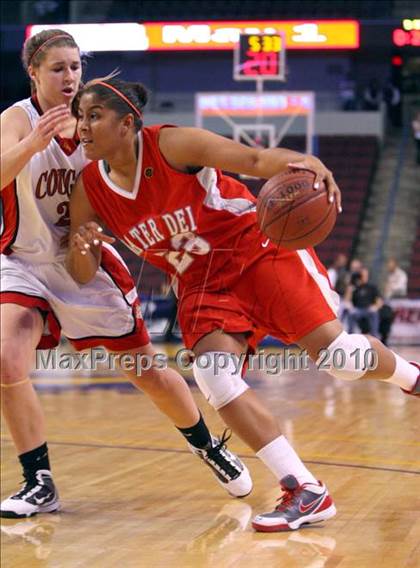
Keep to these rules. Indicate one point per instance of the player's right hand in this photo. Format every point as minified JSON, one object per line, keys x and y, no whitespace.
{"x":49,"y":125}
{"x":88,"y":235}
{"x":322,"y":173}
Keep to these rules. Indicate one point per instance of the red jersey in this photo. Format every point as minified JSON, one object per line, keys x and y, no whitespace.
{"x":195,"y":226}
{"x":201,"y":228}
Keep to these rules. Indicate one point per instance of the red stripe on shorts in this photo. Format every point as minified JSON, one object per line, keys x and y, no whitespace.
{"x":47,"y":341}
{"x":10,"y":217}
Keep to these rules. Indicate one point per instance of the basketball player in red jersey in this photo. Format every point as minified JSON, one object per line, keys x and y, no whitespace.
{"x":160,"y":190}
{"x":41,"y":157}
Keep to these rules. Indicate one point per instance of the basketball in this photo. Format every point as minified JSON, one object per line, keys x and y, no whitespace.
{"x":291,"y":213}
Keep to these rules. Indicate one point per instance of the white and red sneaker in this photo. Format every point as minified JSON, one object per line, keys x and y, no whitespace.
{"x":415,"y":391}
{"x":299,"y":505}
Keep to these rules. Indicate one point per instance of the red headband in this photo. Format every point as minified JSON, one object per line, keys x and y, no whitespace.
{"x":121,"y":95}
{"x":58,"y":36}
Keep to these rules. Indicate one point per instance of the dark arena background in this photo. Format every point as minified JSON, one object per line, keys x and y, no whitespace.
{"x":338,"y":79}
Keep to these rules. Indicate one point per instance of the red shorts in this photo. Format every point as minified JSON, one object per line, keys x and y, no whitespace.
{"x":281,"y":293}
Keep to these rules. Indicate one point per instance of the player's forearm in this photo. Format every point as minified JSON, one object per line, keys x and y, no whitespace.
{"x":82,"y":268}
{"x":14,"y":160}
{"x":272,"y":161}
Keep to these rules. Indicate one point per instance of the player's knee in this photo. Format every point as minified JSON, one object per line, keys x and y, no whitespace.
{"x":13,"y":363}
{"x":218,"y":376}
{"x":152,"y":380}
{"x":348,"y":357}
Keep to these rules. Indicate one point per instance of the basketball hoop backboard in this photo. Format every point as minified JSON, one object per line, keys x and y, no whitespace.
{"x":232,"y":112}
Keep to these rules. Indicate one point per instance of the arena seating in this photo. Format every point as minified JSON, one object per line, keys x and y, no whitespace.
{"x":175,"y":10}
{"x":352,"y":160}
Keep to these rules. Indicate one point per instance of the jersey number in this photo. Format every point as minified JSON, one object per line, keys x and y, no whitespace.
{"x":63,"y":209}
{"x":187,"y":245}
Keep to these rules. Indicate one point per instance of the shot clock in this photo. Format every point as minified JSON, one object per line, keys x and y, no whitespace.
{"x":260,"y":57}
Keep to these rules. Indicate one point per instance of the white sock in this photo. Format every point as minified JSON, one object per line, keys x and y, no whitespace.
{"x":281,"y":459}
{"x":405,"y":374}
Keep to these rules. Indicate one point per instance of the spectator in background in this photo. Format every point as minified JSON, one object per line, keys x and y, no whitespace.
{"x":346,"y":290}
{"x":416,"y":131}
{"x":348,"y":92}
{"x":393,"y":101}
{"x":366,"y":303}
{"x":355,"y":267}
{"x":372,"y":96}
{"x":386,"y":319}
{"x":395,"y":287}
{"x":338,"y":274}
{"x":396,"y":282}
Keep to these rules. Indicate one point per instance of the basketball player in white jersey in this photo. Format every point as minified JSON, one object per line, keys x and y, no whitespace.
{"x":41,"y":158}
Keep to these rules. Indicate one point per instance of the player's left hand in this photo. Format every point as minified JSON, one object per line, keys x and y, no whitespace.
{"x":322,"y":173}
{"x":89,"y":234}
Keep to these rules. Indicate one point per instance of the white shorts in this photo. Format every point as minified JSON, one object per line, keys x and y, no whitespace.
{"x":106,"y":311}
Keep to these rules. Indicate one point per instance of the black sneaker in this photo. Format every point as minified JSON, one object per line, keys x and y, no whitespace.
{"x":38,"y":495}
{"x":230,"y":472}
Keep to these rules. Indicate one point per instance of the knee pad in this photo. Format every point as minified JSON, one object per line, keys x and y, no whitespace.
{"x":218,"y":376}
{"x":348,"y":357}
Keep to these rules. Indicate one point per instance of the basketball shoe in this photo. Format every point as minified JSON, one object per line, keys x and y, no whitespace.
{"x":229,"y":470}
{"x":415,"y":391}
{"x":38,"y":495}
{"x":299,"y":505}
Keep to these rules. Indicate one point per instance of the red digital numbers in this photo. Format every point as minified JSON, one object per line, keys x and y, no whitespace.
{"x":402,"y":38}
{"x":261,"y":64}
{"x":259,"y":56}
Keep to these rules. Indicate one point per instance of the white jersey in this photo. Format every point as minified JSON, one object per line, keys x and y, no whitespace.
{"x":35,"y":206}
{"x":35,"y":217}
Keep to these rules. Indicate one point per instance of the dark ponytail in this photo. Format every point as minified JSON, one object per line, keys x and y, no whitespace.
{"x":141,"y":94}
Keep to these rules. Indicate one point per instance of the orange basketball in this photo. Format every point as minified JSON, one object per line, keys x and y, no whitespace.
{"x":292,"y":213}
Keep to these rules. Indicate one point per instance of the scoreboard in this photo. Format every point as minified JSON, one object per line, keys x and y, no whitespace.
{"x":260,"y":56}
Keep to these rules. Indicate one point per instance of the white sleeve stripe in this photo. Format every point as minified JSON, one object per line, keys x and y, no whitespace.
{"x":207,"y":178}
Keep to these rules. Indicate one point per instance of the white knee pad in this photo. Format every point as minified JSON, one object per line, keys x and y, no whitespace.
{"x":218,"y":376}
{"x":348,"y":357}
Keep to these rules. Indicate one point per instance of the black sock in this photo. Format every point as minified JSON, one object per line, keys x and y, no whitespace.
{"x":198,"y":435}
{"x":35,"y":459}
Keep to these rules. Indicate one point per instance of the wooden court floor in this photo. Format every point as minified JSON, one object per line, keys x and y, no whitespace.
{"x":133,"y":496}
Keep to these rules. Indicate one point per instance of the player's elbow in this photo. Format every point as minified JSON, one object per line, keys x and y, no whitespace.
{"x":255,"y":164}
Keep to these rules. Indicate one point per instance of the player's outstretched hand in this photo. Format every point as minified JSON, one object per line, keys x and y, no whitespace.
{"x":48,"y":126}
{"x":89,"y":234}
{"x":322,"y":173}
